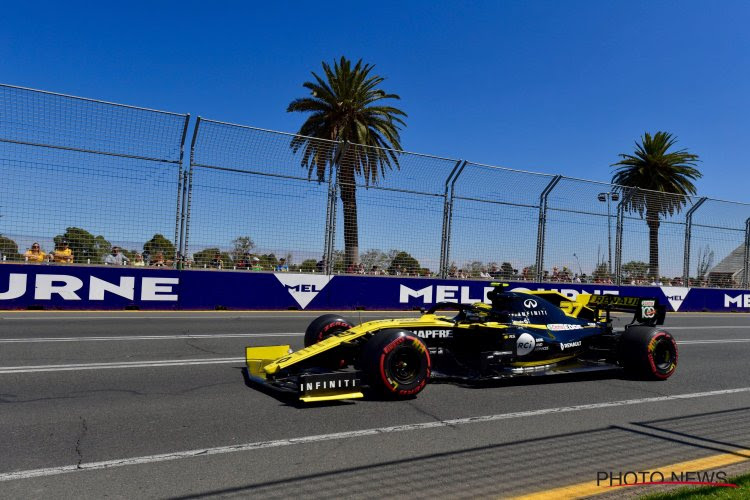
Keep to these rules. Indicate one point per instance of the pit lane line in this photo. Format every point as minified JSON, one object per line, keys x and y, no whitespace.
{"x":209,"y":361}
{"x":108,"y":464}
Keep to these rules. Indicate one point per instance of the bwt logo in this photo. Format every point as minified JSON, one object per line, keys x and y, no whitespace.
{"x":69,"y":287}
{"x":303,"y":288}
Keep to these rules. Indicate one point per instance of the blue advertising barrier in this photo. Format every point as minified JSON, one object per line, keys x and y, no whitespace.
{"x":24,"y":286}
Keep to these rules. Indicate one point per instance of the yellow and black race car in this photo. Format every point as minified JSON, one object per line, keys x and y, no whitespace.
{"x":518,"y":334}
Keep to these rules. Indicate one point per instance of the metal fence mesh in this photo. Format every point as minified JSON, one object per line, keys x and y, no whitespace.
{"x":87,"y":173}
{"x":100,"y":175}
{"x":252,"y":201}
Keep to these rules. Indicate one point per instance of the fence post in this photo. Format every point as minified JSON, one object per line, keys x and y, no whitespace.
{"x":746,"y":262}
{"x":618,"y":232}
{"x":688,"y":236}
{"x":178,"y":257}
{"x":189,"y":197}
{"x":540,"y":235}
{"x":333,"y":187}
{"x":445,"y":241}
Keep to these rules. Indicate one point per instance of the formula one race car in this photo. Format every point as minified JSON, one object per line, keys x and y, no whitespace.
{"x":518,"y":334}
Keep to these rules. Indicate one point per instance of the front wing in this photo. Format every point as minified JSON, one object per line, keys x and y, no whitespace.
{"x":319,"y":385}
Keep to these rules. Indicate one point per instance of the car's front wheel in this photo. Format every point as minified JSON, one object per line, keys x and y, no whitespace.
{"x":324,"y":326}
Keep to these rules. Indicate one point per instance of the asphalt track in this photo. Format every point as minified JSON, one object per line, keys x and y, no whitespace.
{"x":134,"y":404}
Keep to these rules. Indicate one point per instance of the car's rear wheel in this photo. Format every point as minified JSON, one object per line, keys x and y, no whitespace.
{"x":396,"y":364}
{"x":648,"y":353}
{"x":325,"y":326}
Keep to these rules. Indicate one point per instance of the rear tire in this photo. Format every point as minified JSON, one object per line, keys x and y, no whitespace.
{"x":648,"y":353}
{"x":396,"y":364}
{"x":325,"y":326}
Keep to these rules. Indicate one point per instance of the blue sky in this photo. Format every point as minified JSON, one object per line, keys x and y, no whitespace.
{"x":558,"y":87}
{"x":546,"y":86}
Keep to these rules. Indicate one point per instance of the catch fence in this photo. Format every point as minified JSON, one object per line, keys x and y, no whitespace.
{"x":99,"y":175}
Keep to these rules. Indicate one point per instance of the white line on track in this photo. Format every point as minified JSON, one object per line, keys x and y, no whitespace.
{"x":205,"y":361}
{"x":713,"y":341}
{"x":219,"y":450}
{"x":149,"y":337}
{"x":128,"y":364}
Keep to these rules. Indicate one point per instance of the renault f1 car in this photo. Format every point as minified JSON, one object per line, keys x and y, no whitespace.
{"x":517,"y":334}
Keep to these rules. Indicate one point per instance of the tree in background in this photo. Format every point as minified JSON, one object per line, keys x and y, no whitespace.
{"x":403,"y":262}
{"x":506,"y":271}
{"x":705,"y":261}
{"x":375,"y":257}
{"x":343,"y":107}
{"x":243,"y":245}
{"x":634,"y":270}
{"x":158,"y":243}
{"x":9,"y":249}
{"x":85,"y":246}
{"x":659,"y":174}
{"x":308,"y":265}
{"x":205,"y":257}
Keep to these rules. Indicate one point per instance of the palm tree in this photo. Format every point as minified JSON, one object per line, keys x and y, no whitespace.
{"x":665,"y":182}
{"x":344,"y":107}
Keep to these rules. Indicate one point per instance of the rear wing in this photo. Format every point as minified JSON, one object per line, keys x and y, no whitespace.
{"x":647,"y":311}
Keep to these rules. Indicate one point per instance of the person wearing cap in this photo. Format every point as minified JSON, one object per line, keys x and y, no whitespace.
{"x":256,"y":264}
{"x":116,"y":257}
{"x":34,"y":254}
{"x":282,"y":267}
{"x":63,"y":253}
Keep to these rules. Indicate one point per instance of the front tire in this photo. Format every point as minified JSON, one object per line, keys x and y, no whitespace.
{"x":648,"y":353}
{"x":396,"y":364}
{"x":325,"y":326}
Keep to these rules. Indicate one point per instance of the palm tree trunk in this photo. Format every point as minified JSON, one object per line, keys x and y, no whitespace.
{"x":348,"y":189}
{"x":653,"y":246}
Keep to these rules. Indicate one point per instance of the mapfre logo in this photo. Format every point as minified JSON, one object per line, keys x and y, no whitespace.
{"x":303,"y":287}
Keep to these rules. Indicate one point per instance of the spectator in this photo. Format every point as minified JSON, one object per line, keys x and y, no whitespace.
{"x":375,"y":271}
{"x":35,"y":253}
{"x":216,"y":262}
{"x":361,"y":268}
{"x":138,"y":260}
{"x":116,"y":257}
{"x":453,"y":271}
{"x":282,"y":267}
{"x":321,"y":265}
{"x":256,"y":264}
{"x":494,"y":272}
{"x":243,"y":261}
{"x":63,"y":254}
{"x":158,"y":260}
{"x":484,"y":274}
